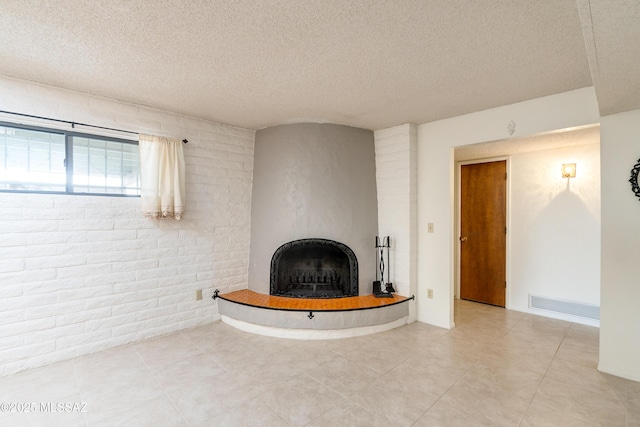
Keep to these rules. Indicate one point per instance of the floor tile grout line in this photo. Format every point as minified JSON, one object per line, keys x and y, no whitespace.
{"x":524,"y":414}
{"x":478,"y":361}
{"x":164,"y":391}
{"x":451,"y":387}
{"x":436,"y":401}
{"x":75,"y":374}
{"x":544,"y":376}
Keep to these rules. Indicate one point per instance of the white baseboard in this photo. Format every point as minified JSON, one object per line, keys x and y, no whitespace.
{"x":559,"y":316}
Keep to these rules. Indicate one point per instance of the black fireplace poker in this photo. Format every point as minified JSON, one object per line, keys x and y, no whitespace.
{"x":383,"y":245}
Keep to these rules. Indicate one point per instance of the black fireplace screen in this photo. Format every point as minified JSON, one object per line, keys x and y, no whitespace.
{"x":314,"y":268}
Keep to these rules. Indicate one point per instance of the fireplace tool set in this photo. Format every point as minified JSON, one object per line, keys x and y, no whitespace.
{"x":382,"y":246}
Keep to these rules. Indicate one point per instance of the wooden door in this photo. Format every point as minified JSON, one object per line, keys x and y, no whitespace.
{"x":483,"y":228}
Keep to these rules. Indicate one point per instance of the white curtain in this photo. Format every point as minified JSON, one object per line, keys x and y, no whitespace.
{"x":161,"y":177}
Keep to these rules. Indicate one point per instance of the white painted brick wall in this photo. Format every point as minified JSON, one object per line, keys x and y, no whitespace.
{"x":396,"y":179}
{"x":80,"y":274}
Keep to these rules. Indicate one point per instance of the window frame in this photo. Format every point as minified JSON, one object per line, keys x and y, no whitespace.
{"x":68,"y":160}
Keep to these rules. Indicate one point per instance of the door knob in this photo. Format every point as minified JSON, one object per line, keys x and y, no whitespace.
{"x":463,"y":239}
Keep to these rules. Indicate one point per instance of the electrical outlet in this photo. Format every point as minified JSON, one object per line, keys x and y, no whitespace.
{"x":430,"y":227}
{"x":198,"y":294}
{"x":430,"y":293}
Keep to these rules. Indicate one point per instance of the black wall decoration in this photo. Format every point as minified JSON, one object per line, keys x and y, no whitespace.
{"x":634,"y":179}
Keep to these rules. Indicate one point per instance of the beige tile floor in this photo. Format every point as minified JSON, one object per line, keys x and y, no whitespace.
{"x":497,"y":367}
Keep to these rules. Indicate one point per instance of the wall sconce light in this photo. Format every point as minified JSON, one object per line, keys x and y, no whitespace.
{"x":569,"y":170}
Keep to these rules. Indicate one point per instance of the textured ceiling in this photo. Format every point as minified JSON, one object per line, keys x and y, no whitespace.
{"x":612,"y":39}
{"x":254,"y":64}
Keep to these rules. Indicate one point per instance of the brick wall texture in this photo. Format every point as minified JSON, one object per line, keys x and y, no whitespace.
{"x":396,"y":176}
{"x":80,"y":274}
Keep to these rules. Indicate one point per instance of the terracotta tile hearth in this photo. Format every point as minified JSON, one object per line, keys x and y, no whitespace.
{"x":254,"y":299}
{"x":312,"y":318}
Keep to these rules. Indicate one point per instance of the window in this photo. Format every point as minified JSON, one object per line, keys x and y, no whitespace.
{"x":42,"y":160}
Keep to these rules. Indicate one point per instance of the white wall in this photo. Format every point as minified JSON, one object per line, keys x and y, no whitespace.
{"x":554,"y":238}
{"x":436,"y":177}
{"x":79,"y":274}
{"x":620,"y":289}
{"x":396,"y":180}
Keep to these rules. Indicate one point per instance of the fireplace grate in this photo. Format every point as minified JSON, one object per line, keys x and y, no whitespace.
{"x":314,"y":268}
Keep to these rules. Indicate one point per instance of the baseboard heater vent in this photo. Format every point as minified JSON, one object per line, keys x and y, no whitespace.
{"x":572,"y":308}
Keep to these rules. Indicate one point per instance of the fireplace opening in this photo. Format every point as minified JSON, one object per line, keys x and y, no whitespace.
{"x":314,"y":268}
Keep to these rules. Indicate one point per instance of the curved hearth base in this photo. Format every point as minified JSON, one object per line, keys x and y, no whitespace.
{"x":312,"y":334}
{"x":300,"y":318}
